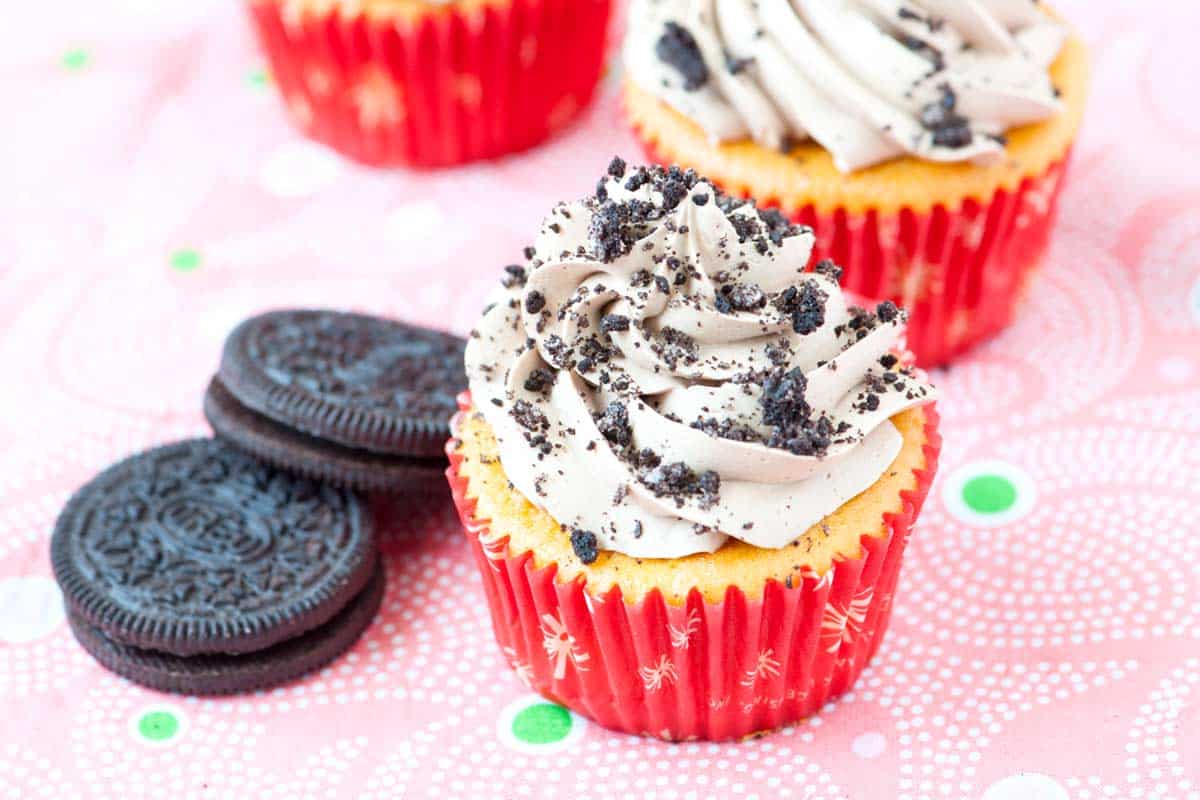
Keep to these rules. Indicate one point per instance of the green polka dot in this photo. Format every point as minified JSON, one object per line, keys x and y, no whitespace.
{"x":541,"y":723}
{"x":76,"y":59}
{"x":158,"y":726}
{"x":259,"y":78}
{"x":989,"y":494}
{"x":186,"y":260}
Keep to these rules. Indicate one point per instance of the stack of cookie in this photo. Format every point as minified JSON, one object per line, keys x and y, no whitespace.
{"x":213,"y":566}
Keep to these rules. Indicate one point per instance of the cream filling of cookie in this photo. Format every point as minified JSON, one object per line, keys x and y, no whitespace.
{"x":669,"y":374}
{"x":868,"y":80}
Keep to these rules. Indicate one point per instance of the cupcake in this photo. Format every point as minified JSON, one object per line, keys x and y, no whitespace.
{"x":686,"y":466}
{"x":924,"y":142}
{"x":432,"y":82}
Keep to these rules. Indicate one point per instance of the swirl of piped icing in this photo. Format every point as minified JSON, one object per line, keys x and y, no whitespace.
{"x":868,"y":80}
{"x":663,"y":372}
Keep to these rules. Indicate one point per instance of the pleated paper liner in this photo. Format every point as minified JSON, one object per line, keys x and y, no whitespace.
{"x":432,"y":85}
{"x":702,"y":670}
{"x":961,"y":272}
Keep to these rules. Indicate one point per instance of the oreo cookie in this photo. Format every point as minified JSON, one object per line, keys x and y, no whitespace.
{"x":229,"y":674}
{"x":351,"y":399}
{"x":195,"y":549}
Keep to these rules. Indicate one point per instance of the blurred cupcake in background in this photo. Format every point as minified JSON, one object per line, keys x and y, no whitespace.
{"x":432,"y":82}
{"x":688,"y":467}
{"x":925,"y":141}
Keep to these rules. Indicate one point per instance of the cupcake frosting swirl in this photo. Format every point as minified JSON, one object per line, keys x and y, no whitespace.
{"x":663,"y":373}
{"x":868,"y":80}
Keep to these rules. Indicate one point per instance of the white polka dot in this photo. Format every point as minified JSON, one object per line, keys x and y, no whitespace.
{"x":414,"y":222}
{"x":1176,"y":369}
{"x":299,"y":169}
{"x":871,"y":744}
{"x":219,"y":319}
{"x":1026,"y":786}
{"x":30,"y":608}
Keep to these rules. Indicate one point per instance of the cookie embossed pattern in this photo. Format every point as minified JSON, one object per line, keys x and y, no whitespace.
{"x":1055,"y":659}
{"x":193,"y":568}
{"x":352,"y":399}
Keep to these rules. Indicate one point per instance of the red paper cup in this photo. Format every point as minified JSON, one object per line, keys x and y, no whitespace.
{"x":961,"y":272}
{"x":702,"y":670}
{"x":433,"y":86}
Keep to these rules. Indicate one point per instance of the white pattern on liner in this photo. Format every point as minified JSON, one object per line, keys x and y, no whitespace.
{"x":854,"y":75}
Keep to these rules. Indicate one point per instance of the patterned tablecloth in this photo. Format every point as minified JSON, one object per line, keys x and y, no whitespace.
{"x":152,"y":195}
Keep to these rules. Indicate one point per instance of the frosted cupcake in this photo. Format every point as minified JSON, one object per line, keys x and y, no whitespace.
{"x":925,"y":142}
{"x":433,"y":82}
{"x":687,"y":466}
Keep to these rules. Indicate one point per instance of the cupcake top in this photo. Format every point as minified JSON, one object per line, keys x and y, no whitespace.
{"x":868,"y":80}
{"x":663,"y":372}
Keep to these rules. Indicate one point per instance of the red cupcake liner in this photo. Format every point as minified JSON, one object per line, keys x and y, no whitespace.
{"x":702,"y":670}
{"x":961,"y":272}
{"x":446,"y":87}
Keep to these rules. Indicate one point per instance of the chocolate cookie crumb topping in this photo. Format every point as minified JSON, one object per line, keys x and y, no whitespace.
{"x":740,"y":297}
{"x":529,"y":416}
{"x":782,"y":401}
{"x":787,"y":411}
{"x":679,"y":481}
{"x":887,"y":311}
{"x":614,"y":322}
{"x":673,"y":346}
{"x":539,"y":380}
{"x":869,"y":403}
{"x":949,"y":128}
{"x":614,"y":424}
{"x":936,"y":59}
{"x":534,"y":302}
{"x":585,"y":545}
{"x":829,"y":269}
{"x":605,"y":232}
{"x":678,"y":48}
{"x":736,"y":66}
{"x":805,"y":304}
{"x":746,"y":227}
{"x":514,"y":276}
{"x":726,"y":429}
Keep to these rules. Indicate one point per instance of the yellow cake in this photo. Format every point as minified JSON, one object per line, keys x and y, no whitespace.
{"x":529,"y":528}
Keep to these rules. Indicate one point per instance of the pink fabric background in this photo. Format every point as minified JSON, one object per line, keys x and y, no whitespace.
{"x":1056,"y":655}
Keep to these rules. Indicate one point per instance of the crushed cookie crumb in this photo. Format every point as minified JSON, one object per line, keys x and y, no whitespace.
{"x":585,"y":545}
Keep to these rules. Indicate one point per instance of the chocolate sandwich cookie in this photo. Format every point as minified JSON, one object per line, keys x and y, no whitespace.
{"x":228,"y":674}
{"x":195,"y":548}
{"x":355,"y":400}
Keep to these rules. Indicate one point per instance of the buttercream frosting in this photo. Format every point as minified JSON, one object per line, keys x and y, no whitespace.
{"x":868,"y":80}
{"x":664,"y":372}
